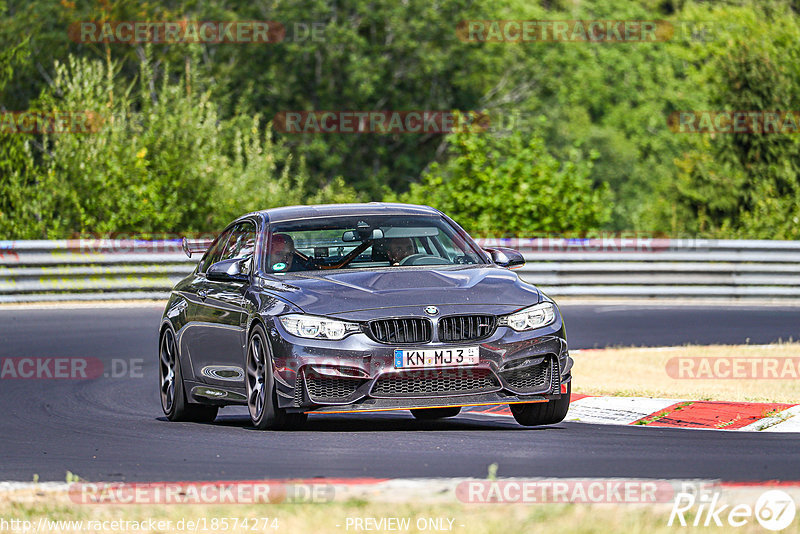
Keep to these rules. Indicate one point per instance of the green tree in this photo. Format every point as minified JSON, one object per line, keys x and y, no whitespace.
{"x":511,"y":185}
{"x":742,"y":184}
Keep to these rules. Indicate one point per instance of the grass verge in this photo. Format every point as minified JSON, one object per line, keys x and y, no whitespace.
{"x":643,"y":372}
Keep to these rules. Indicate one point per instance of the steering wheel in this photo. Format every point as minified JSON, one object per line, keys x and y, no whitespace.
{"x":423,"y":259}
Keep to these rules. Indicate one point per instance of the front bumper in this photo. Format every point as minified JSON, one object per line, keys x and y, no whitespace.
{"x":357,"y":374}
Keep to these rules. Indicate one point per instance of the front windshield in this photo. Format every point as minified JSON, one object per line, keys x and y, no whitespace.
{"x":362,"y":242}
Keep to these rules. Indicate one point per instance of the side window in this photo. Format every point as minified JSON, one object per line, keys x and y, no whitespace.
{"x":214,"y":254}
{"x":242,"y":242}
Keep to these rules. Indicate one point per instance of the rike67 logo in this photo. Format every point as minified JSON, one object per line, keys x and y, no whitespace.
{"x":774,"y":510}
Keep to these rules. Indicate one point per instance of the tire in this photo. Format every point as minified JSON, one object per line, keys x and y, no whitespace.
{"x":262,"y":400}
{"x":427,"y":414}
{"x":174,"y":402}
{"x":543,"y":413}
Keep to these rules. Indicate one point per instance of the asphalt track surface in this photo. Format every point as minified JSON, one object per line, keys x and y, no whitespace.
{"x":113,"y":428}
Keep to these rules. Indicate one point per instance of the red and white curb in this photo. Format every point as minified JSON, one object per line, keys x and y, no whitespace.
{"x":675,"y":413}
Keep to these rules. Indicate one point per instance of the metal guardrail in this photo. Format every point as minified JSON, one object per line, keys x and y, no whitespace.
{"x":90,"y":269}
{"x":648,"y":267}
{"x":33,"y":271}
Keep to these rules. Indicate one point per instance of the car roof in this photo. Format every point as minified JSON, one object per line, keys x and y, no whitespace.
{"x":289,"y":213}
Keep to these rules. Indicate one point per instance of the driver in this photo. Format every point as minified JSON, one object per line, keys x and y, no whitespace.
{"x":282,"y":253}
{"x":398,"y":248}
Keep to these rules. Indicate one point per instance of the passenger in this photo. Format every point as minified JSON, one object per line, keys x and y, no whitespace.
{"x":281,"y":258}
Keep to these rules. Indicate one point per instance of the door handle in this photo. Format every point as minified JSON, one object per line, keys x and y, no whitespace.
{"x":202,"y":293}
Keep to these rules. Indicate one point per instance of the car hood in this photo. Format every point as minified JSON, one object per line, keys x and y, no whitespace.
{"x":342,"y":291}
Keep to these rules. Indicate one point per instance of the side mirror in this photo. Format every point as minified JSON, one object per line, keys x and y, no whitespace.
{"x":192,"y":246}
{"x":227,"y":271}
{"x":506,"y":257}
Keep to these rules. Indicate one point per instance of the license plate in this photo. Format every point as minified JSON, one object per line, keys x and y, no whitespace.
{"x":411,"y":358}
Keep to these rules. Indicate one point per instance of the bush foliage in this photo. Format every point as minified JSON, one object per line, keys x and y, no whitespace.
{"x":162,"y":160}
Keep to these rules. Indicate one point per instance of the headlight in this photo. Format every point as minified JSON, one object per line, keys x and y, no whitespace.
{"x":312,"y":327}
{"x":534,"y":317}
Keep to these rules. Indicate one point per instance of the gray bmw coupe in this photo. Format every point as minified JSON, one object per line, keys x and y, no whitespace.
{"x":357,"y":308}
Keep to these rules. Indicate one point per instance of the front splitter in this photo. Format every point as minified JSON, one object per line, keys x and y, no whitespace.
{"x":387,"y":405}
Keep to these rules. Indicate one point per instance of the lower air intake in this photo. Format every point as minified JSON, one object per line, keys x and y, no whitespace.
{"x":324,"y":389}
{"x":433,"y":382}
{"x":530,"y":379}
